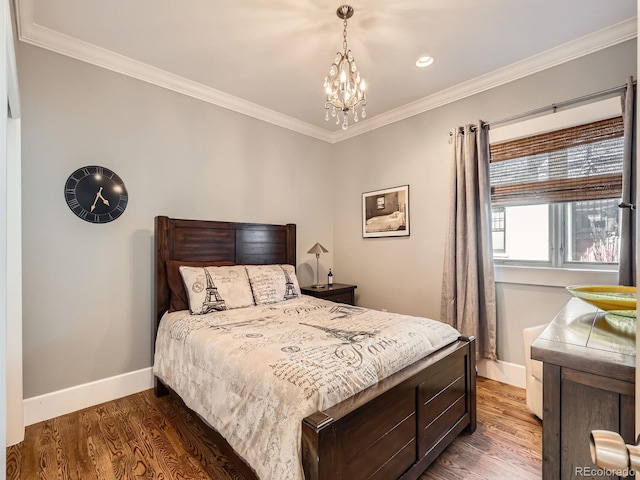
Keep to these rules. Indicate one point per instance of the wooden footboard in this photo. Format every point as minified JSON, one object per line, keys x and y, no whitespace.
{"x":397,"y":427}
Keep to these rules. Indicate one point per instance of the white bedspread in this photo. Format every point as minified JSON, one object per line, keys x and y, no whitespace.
{"x":254,"y":373}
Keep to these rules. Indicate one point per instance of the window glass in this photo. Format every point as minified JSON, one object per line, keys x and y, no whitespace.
{"x":593,"y":231}
{"x":497,"y":229}
{"x":525,"y":233}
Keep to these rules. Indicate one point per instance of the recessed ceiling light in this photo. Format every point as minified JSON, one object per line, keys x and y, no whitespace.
{"x":424,"y":61}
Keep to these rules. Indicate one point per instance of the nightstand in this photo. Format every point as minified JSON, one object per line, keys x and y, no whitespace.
{"x":338,"y":292}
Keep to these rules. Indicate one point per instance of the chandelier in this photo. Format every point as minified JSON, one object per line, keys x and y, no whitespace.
{"x":344,"y":86}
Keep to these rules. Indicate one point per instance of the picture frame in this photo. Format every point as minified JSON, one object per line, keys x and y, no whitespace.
{"x":385,"y":212}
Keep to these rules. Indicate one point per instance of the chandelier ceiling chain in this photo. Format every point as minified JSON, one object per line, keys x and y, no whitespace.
{"x":344,"y":86}
{"x":344,"y":35}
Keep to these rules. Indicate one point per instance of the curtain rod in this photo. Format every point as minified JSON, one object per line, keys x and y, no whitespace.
{"x":555,"y":106}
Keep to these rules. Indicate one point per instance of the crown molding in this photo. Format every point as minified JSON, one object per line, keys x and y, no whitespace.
{"x":31,"y":32}
{"x":580,"y":47}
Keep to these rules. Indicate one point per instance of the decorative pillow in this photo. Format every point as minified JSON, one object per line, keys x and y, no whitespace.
{"x":273,"y":283}
{"x":178,"y":298}
{"x":213,"y":289}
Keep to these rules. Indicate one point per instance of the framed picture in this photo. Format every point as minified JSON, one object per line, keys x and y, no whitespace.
{"x":385,"y":213}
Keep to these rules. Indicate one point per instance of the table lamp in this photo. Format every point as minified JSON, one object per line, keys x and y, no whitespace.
{"x":317,"y":249}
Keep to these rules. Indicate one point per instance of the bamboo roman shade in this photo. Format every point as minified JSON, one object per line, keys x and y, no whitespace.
{"x":568,"y":165}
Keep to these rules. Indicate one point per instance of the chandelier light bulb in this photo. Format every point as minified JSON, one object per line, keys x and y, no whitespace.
{"x":344,"y":87}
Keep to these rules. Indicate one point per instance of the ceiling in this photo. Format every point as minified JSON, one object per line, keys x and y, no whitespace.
{"x":268,"y":58}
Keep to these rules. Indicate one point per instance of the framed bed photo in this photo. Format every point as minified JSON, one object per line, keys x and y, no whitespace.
{"x":385,"y":213}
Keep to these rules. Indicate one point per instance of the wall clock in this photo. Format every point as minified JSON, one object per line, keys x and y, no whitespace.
{"x":96,"y":194}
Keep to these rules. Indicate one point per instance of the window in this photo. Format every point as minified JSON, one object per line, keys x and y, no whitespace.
{"x":497,"y":229}
{"x":555,"y":196}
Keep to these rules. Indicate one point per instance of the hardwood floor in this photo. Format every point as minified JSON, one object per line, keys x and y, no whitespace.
{"x":144,"y":437}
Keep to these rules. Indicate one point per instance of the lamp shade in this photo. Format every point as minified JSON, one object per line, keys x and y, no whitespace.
{"x":317,"y":248}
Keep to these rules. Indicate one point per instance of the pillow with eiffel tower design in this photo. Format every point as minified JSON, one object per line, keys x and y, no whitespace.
{"x":178,"y":298}
{"x":273,"y":283}
{"x":212,"y":289}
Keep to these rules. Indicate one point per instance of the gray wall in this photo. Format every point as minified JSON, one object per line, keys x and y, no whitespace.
{"x":405,"y":274}
{"x":88,"y":288}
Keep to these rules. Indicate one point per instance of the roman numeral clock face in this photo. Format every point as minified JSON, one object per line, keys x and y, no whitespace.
{"x":96,"y":194}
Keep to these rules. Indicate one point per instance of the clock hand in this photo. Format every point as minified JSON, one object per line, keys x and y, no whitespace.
{"x":99,"y":196}
{"x":104,"y":200}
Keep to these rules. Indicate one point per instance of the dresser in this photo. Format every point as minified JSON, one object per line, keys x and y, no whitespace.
{"x":588,"y":384}
{"x":338,"y":292}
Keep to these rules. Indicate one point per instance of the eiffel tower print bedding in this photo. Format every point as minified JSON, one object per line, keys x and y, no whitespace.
{"x":254,"y":373}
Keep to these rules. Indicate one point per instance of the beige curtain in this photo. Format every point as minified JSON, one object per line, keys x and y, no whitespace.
{"x":468,"y":285}
{"x":627,"y":268}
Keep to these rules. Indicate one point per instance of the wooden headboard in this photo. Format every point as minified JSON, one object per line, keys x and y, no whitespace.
{"x":203,"y":241}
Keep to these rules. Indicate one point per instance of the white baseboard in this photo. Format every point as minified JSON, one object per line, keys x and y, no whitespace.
{"x":54,"y":404}
{"x":505,"y":372}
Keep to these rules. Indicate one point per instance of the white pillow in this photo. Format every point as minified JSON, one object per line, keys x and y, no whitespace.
{"x":273,"y":283}
{"x":212,"y":289}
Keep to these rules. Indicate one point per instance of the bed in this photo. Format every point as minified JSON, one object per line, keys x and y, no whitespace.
{"x":393,"y":428}
{"x":386,"y":223}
